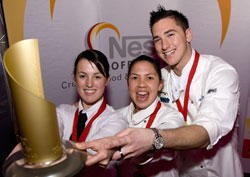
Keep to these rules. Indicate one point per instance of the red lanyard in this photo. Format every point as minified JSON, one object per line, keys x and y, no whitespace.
{"x":152,"y":116}
{"x":184,"y":109}
{"x":86,"y":130}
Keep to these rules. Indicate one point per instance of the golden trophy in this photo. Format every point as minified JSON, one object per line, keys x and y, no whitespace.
{"x":44,"y":154}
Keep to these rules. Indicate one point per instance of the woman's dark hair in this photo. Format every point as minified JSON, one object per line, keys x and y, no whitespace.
{"x":149,"y":59}
{"x":162,"y":13}
{"x":96,"y":57}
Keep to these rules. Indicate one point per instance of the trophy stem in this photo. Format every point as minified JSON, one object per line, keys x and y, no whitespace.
{"x":67,"y":166}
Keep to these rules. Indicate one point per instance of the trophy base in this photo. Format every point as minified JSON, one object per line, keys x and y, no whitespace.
{"x":67,"y":166}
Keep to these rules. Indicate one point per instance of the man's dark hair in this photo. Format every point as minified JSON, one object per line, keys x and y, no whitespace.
{"x":162,"y":13}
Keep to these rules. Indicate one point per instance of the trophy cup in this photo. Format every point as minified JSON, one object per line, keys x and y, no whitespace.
{"x":44,"y":154}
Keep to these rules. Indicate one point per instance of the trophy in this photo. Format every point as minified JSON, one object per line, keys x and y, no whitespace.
{"x":43,"y":152}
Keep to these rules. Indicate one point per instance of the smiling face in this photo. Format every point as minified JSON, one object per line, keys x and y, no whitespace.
{"x":143,"y":84}
{"x":90,"y":83}
{"x":172,"y":43}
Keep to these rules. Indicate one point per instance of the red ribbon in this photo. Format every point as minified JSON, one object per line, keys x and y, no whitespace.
{"x":86,"y":130}
{"x":184,"y":109}
{"x":152,"y":116}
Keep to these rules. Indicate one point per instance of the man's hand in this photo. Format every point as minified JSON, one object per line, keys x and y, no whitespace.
{"x":130,"y":142}
{"x":134,"y":142}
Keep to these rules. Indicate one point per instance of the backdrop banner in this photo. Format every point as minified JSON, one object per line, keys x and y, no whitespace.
{"x":121,"y":30}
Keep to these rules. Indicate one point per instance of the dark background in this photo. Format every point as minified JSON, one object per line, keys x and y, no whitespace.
{"x":7,"y":135}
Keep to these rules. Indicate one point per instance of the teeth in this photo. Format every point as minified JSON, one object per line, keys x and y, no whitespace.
{"x":168,"y":53}
{"x":142,"y":93}
{"x":89,"y":91}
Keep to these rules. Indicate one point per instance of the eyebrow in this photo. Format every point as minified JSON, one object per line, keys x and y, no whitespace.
{"x":155,"y":74}
{"x":82,"y":72}
{"x":166,"y":32}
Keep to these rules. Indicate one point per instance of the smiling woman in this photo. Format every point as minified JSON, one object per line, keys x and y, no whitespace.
{"x":91,"y":75}
{"x":146,"y":111}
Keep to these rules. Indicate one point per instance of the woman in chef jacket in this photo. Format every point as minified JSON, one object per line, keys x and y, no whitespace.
{"x":91,"y":75}
{"x":146,"y":111}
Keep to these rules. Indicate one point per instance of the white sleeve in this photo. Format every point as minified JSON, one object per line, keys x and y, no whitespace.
{"x":169,"y":118}
{"x":218,"y":110}
{"x":112,"y":124}
{"x":65,"y":117}
{"x":60,"y":121}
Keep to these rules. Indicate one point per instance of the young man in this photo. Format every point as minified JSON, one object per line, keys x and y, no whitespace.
{"x":205,"y":89}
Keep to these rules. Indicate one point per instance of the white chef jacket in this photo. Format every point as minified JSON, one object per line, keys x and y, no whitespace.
{"x":213,"y":103}
{"x":166,"y":117}
{"x":107,"y":124}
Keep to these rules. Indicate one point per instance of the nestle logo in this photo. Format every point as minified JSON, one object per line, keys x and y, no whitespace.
{"x":130,"y":45}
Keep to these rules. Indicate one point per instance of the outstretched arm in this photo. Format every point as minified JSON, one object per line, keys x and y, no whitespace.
{"x":137,"y":141}
{"x":128,"y":143}
{"x":132,"y":142}
{"x":186,"y":137}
